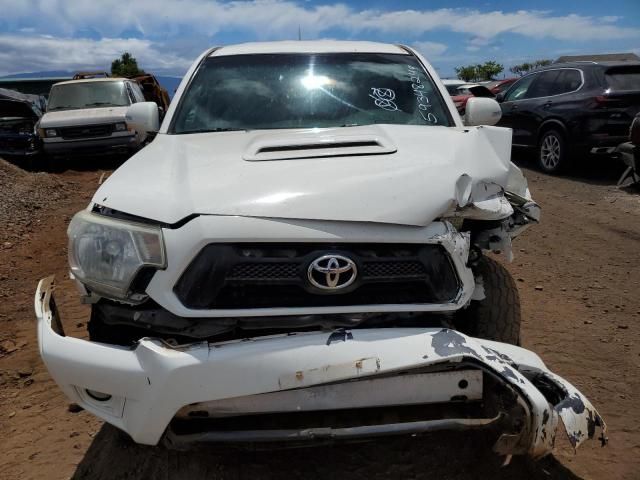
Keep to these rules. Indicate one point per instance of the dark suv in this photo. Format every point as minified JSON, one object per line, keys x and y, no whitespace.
{"x":572,"y":108}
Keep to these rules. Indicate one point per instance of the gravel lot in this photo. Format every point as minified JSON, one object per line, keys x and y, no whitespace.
{"x":579,"y":282}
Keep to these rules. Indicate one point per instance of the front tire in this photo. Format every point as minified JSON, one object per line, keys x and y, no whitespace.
{"x":553,"y":156}
{"x":497,"y":316}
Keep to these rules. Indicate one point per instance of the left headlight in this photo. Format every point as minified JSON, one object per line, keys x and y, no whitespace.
{"x":106,"y":254}
{"x":120,"y":127}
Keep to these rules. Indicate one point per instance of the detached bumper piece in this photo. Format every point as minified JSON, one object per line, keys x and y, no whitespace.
{"x":630,"y":155}
{"x":317,"y":386}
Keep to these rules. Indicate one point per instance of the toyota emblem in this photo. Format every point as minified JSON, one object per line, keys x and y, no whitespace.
{"x":332,"y":272}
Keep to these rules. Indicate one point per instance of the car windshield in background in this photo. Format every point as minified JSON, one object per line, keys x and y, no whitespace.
{"x":624,"y":78}
{"x":265,"y":91}
{"x":453,"y":89}
{"x":87,"y":95}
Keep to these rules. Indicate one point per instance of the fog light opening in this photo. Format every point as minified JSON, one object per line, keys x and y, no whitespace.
{"x":99,"y":396}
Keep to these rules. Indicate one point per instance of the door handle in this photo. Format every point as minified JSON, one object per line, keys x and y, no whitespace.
{"x":548,"y":104}
{"x":514,"y":107}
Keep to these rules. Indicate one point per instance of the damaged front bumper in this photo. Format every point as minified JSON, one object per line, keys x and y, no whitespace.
{"x":429,"y":378}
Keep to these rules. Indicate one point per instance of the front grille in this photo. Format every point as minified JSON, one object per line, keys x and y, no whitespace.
{"x":246,"y":272}
{"x":271,"y":276}
{"x":15,"y":144}
{"x":86,"y":131}
{"x":392,"y":269}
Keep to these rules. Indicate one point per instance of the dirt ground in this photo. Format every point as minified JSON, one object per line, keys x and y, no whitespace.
{"x":579,"y":282}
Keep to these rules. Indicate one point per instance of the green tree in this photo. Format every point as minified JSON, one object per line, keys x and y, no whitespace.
{"x":526,"y":67}
{"x":125,"y":66}
{"x":489,"y":70}
{"x":486,"y":71}
{"x":467,"y":73}
{"x":542,"y":63}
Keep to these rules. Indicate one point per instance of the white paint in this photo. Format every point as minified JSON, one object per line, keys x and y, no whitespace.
{"x":156,"y":381}
{"x":387,"y":391}
{"x":183,"y":244}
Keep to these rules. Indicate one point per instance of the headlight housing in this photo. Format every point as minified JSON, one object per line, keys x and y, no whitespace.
{"x":106,"y":254}
{"x":50,"y":132}
{"x":120,"y":127}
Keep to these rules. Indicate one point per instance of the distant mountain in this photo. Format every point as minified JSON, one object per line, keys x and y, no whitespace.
{"x":170,"y":83}
{"x":51,"y":73}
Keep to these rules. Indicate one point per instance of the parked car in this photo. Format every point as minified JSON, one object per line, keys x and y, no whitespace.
{"x":498,"y":86}
{"x":19,"y":114}
{"x":630,"y":153}
{"x":287,"y":260}
{"x":464,"y":92}
{"x":452,"y":85}
{"x":88,"y":116}
{"x":574,"y":108}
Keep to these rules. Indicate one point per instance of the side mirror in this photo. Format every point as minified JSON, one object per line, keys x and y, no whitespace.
{"x":143,"y":117}
{"x":500,"y":97}
{"x":482,"y":111}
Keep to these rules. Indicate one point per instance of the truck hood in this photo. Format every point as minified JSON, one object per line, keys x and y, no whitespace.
{"x":84,"y":116}
{"x":10,"y":109}
{"x":382,"y":173}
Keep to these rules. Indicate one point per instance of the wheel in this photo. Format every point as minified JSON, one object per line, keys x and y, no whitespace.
{"x":552,"y":152}
{"x":497,"y":316}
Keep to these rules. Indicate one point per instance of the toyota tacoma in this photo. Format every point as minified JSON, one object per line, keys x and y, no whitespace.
{"x":300,"y":255}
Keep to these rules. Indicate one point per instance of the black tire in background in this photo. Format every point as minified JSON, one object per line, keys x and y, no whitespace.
{"x":553,"y":152}
{"x":497,"y":316}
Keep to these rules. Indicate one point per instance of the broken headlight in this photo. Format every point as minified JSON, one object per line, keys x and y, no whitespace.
{"x":107,"y":254}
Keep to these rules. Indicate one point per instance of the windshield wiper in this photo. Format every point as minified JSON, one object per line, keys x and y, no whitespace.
{"x":207,"y":130}
{"x":97,"y":104}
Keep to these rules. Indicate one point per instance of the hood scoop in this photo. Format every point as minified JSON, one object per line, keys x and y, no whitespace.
{"x":314,"y":144}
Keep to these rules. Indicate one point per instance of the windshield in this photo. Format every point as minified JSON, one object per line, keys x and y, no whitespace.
{"x":87,"y":95}
{"x":624,"y":78}
{"x":247,"y":92}
{"x":453,"y":89}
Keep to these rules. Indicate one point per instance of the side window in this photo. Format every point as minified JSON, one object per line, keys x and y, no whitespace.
{"x":545,"y":85}
{"x":137,"y":93}
{"x":132,"y":98}
{"x":519,"y":89}
{"x":568,"y":81}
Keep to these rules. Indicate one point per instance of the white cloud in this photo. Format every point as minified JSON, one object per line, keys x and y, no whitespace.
{"x":281,"y":18}
{"x":41,"y":53}
{"x":430,"y":50}
{"x":175,"y":32}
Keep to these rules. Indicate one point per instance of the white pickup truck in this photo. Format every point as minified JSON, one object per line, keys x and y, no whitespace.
{"x":88,"y":117}
{"x":298,"y":256}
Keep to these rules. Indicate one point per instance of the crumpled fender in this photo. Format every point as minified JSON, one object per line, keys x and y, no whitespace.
{"x":579,"y":416}
{"x":150,"y":382}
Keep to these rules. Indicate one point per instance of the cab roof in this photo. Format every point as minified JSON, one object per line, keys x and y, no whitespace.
{"x":308,"y":46}
{"x":88,"y":80}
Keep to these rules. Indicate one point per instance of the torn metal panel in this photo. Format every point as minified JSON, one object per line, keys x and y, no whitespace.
{"x":330,"y":373}
{"x":409,"y":389}
{"x":307,"y":434}
{"x":581,"y":420}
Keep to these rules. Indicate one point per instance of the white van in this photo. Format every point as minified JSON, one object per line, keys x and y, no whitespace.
{"x":88,"y":117}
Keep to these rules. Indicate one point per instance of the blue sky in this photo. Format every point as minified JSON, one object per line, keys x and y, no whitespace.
{"x":165,"y":36}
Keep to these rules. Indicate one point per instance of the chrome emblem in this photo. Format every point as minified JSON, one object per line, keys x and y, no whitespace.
{"x":332,"y":272}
